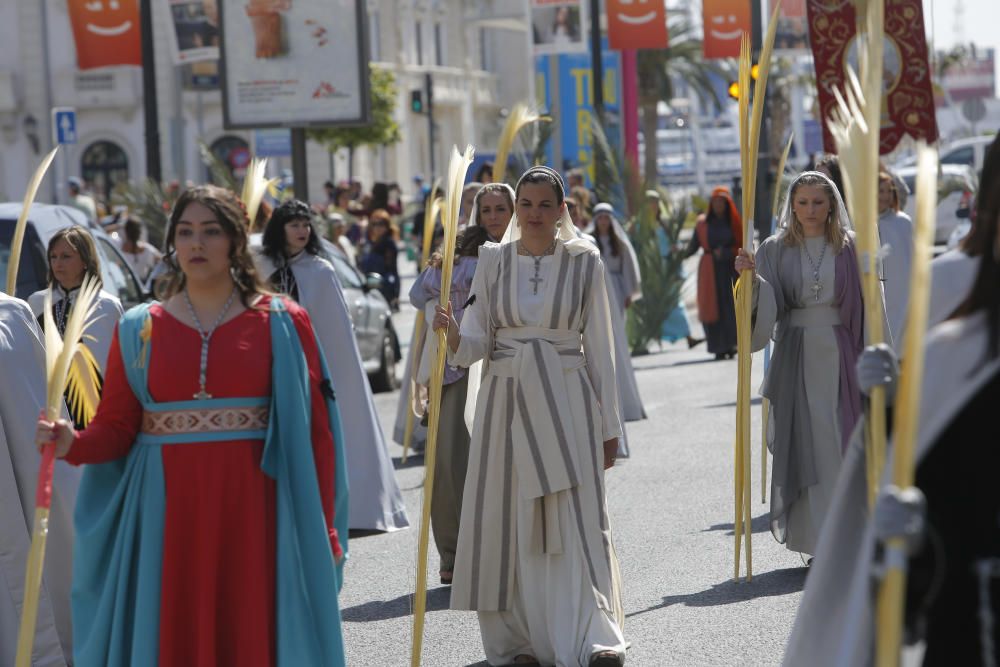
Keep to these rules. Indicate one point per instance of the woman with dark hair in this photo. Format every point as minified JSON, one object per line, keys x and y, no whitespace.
{"x":214,"y":472}
{"x":950,"y":529}
{"x":535,"y":555}
{"x":291,"y":260}
{"x":72,"y":258}
{"x":718,"y":234}
{"x":380,"y":254}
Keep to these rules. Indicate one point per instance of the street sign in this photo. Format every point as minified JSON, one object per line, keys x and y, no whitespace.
{"x":64,"y":125}
{"x":974,"y":109}
{"x":272,"y":142}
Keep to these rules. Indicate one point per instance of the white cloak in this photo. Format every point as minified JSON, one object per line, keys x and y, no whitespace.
{"x":98,"y":336}
{"x":22,"y":397}
{"x":376,"y":501}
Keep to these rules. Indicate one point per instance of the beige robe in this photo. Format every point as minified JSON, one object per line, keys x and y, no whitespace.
{"x":548,"y":401}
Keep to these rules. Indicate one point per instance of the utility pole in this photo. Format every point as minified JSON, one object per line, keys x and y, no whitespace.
{"x":150,"y":113}
{"x":597,"y":59}
{"x":300,"y":171}
{"x":429,"y":90}
{"x":765,"y":180}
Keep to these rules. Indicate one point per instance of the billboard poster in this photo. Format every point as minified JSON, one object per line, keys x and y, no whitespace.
{"x":792,"y":33}
{"x":196,"y":30}
{"x":294,"y":64}
{"x":564,"y":82}
{"x":559,"y":26}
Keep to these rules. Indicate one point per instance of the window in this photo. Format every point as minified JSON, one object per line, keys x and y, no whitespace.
{"x":117,"y":276}
{"x":374,"y":36}
{"x":439,"y":34}
{"x":103,"y":165}
{"x":348,"y":276}
{"x":964,"y":155}
{"x":420,"y":42}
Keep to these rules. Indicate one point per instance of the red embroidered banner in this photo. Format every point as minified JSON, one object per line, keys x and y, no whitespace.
{"x":908,"y":97}
{"x":106,"y":32}
{"x":637,"y":24}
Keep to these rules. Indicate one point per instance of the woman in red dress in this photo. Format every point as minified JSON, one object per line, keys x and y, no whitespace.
{"x":192,"y":423}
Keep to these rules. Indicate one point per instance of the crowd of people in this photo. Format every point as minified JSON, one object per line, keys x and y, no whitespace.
{"x":537,"y":392}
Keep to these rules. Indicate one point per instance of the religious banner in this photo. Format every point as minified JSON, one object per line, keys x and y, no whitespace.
{"x":106,"y":33}
{"x":908,"y":95}
{"x":637,"y":24}
{"x":725,"y":22}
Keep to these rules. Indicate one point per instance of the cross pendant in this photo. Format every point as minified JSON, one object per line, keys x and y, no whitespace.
{"x":202,"y":395}
{"x":816,"y":289}
{"x":535,"y":282}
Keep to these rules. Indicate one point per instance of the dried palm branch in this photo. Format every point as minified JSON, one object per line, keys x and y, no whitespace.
{"x":518,"y":118}
{"x":22,"y":221}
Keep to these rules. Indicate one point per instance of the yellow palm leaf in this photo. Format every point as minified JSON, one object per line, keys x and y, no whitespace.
{"x":255,"y":184}
{"x":519,"y":116}
{"x":22,"y":221}
{"x":59,"y":352}
{"x":83,"y":385}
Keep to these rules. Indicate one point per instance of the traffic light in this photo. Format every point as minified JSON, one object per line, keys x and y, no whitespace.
{"x":417,"y":101}
{"x":734,"y":86}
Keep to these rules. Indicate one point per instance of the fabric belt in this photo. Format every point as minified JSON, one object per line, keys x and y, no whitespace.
{"x":211,"y":420}
{"x":817,"y":316}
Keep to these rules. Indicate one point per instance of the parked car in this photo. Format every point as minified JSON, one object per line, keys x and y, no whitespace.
{"x":956,"y":190}
{"x":969,"y":152}
{"x":372,"y":318}
{"x":44,"y":220}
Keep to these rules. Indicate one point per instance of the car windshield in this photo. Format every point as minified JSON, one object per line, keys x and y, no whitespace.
{"x":348,"y":276}
{"x":26,"y":274}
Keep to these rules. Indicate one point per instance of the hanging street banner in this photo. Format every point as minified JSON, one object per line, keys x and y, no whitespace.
{"x":908,"y":94}
{"x":724,"y":22}
{"x":294,"y":64}
{"x":195,"y":36}
{"x":637,"y":25}
{"x":792,"y":34}
{"x":106,"y":33}
{"x":564,"y":83}
{"x":559,"y":26}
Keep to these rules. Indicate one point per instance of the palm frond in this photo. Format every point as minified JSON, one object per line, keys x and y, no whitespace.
{"x":219,"y":172}
{"x":22,"y":221}
{"x":82,"y":385}
{"x":60,"y":351}
{"x":519,"y":117}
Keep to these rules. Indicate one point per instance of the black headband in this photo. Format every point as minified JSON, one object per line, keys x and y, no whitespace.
{"x":549,"y":171}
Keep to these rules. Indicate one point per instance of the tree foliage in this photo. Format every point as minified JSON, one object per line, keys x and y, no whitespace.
{"x":383,"y":129}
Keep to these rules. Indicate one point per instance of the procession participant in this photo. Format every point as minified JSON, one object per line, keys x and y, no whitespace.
{"x":379,"y":254}
{"x":807,"y":296}
{"x":717,"y":234}
{"x":338,"y":238}
{"x":452,"y":458}
{"x":199,"y":509}
{"x":22,"y":397}
{"x":677,"y":325}
{"x":141,"y":256}
{"x":961,"y":383}
{"x":72,"y":257}
{"x":621,"y":270}
{"x":895,"y":231}
{"x":291,"y":264}
{"x":535,"y":557}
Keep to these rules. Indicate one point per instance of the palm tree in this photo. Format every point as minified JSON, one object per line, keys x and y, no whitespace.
{"x":660,"y":69}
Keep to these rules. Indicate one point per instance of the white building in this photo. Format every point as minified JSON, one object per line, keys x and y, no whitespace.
{"x":477,"y":52}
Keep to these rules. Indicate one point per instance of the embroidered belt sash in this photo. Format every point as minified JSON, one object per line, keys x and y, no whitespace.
{"x":211,"y":420}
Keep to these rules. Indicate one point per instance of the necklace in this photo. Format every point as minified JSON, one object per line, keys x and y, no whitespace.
{"x":817,"y":286}
{"x":536,"y":280}
{"x":205,"y":337}
{"x":61,"y":311}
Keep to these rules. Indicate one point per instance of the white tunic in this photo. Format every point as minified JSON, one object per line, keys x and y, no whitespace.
{"x":895,"y":230}
{"x":630,"y":403}
{"x":535,"y":556}
{"x":108,"y":310}
{"x":376,"y":501}
{"x":22,"y":396}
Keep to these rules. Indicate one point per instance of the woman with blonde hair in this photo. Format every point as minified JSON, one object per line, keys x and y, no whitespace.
{"x":73,"y":257}
{"x":807,"y":298}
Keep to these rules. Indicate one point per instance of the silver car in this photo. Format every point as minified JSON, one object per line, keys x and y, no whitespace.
{"x":956,"y":190}
{"x":44,"y":220}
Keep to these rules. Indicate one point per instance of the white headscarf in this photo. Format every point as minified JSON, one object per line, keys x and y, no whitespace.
{"x":565,"y":229}
{"x":473,"y":216}
{"x":630,"y":263}
{"x":785,"y":219}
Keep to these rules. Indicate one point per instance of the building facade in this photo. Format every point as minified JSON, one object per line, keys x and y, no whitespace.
{"x":476,"y":51}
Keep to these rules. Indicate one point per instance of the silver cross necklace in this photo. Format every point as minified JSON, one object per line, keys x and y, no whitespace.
{"x":536,"y":280}
{"x":205,"y":337}
{"x":817,"y":286}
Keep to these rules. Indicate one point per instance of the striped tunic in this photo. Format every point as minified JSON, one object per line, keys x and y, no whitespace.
{"x":547,"y":403}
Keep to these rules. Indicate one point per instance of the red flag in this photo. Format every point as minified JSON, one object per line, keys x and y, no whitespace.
{"x":637,"y":24}
{"x":725,"y":22}
{"x":106,"y":32}
{"x":908,"y":98}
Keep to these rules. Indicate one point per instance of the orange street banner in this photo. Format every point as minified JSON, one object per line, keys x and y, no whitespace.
{"x":637,"y":24}
{"x":907,"y":93}
{"x":725,"y":22}
{"x":106,"y":32}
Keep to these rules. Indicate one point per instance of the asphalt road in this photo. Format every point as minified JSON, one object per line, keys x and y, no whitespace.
{"x":671,"y":507}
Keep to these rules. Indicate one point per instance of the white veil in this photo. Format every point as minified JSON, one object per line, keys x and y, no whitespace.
{"x":630,"y":263}
{"x":566,"y":231}
{"x":785,"y":219}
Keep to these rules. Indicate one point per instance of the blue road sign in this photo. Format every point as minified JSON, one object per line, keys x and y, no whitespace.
{"x":64,"y":125}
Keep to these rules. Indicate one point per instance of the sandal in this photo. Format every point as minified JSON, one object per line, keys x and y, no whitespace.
{"x":606,"y":659}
